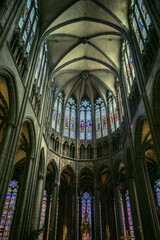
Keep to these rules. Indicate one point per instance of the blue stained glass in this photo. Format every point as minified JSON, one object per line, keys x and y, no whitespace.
{"x":87,"y":207}
{"x":129,"y":213}
{"x":139,"y":40}
{"x":24,"y":14}
{"x":32,"y":35}
{"x":157,"y":190}
{"x":123,"y":216}
{"x":43,"y":213}
{"x":145,"y":13}
{"x":82,"y":124}
{"x":8,"y":210}
{"x":88,"y":124}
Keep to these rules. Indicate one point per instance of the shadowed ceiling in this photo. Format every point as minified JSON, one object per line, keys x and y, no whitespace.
{"x":84,"y":44}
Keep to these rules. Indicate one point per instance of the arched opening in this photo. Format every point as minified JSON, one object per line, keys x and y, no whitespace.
{"x":106,"y":205}
{"x":99,"y":150}
{"x":148,"y":173}
{"x":65,"y":205}
{"x":82,"y":152}
{"x":89,"y":151}
{"x":86,"y":205}
{"x":17,"y":195}
{"x":47,"y":202}
{"x":66,"y":149}
{"x":72,"y":150}
{"x":126,"y":212}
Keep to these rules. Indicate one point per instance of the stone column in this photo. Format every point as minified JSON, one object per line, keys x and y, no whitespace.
{"x":54,"y":212}
{"x":37,"y":203}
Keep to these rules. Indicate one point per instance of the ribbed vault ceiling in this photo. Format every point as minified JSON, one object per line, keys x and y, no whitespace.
{"x":84,"y":44}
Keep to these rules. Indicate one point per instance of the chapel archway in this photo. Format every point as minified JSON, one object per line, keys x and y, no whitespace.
{"x":147,"y":169}
{"x":65,"y":222}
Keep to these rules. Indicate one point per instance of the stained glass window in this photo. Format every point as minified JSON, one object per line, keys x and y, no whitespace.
{"x":141,"y":22}
{"x":8,"y":210}
{"x":87,"y":206}
{"x":85,"y":121}
{"x":123,"y":216}
{"x":28,"y":23}
{"x":128,"y":67}
{"x":49,"y":217}
{"x":129,"y":213}
{"x":70,"y":119}
{"x":116,"y":115}
{"x":43,"y":213}
{"x":57,"y":113}
{"x":157,"y":190}
{"x":100,"y":118}
{"x":121,"y":110}
{"x":40,"y":74}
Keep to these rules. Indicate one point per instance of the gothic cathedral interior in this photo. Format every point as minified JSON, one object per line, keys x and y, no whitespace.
{"x":79,"y":119}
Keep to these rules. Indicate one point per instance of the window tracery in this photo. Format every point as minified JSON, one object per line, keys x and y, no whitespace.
{"x":113,"y":113}
{"x":43,"y":213}
{"x":128,"y":67}
{"x":57,"y":113}
{"x":100,"y":118}
{"x":40,"y":77}
{"x":24,"y":35}
{"x":85,"y":131}
{"x":70,"y":119}
{"x":141,"y":23}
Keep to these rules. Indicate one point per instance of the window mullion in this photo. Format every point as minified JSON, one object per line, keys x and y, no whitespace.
{"x":34,"y":19}
{"x":28,"y":15}
{"x":41,"y":61}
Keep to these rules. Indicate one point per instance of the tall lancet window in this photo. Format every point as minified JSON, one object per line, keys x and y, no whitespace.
{"x":100,"y":118}
{"x":40,"y":74}
{"x":57,"y":113}
{"x":113,"y":112}
{"x":141,"y":22}
{"x":121,"y":110}
{"x":129,"y":213}
{"x":128,"y":66}
{"x":157,"y":190}
{"x":43,"y":213}
{"x":85,"y":131}
{"x":86,"y":204}
{"x":70,"y":119}
{"x":8,"y":210}
{"x":28,"y":23}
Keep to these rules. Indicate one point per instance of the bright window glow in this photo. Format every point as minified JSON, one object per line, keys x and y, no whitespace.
{"x":8,"y":210}
{"x":85,"y":121}
{"x":70,"y":119}
{"x":43,"y":213}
